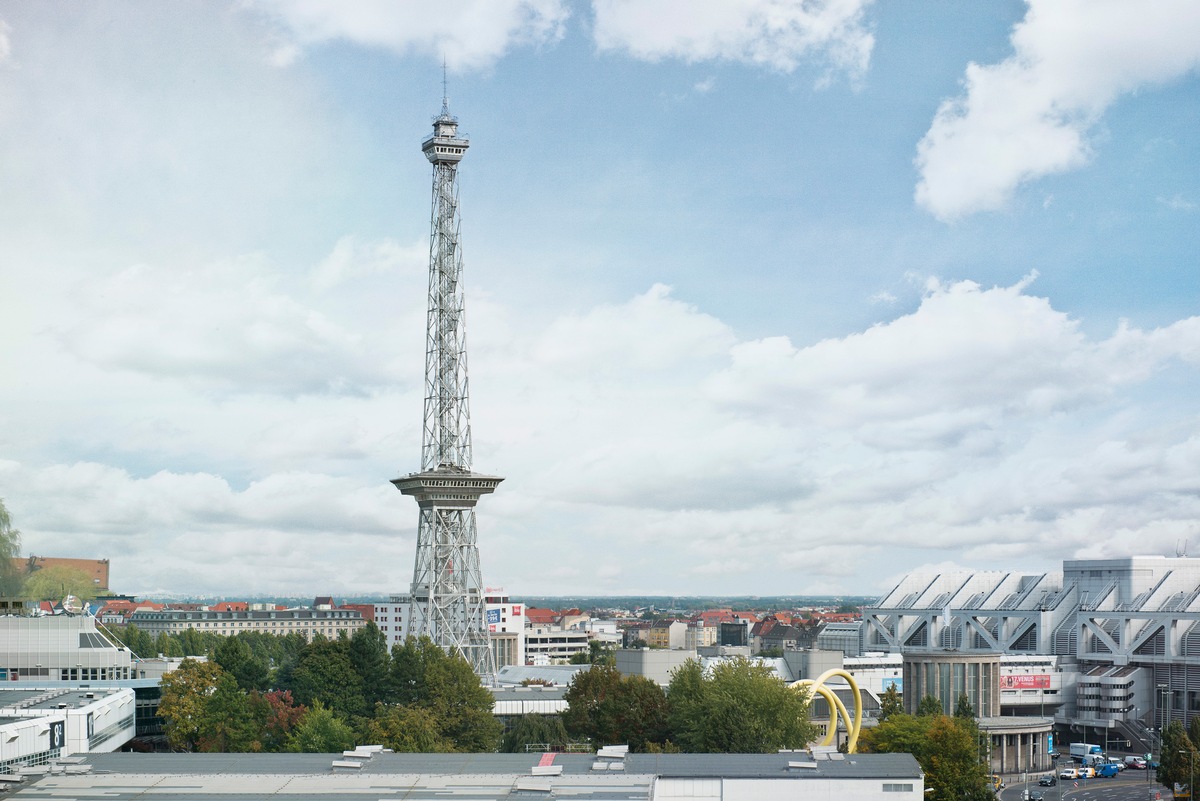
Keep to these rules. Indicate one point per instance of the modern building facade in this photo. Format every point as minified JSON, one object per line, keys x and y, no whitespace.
{"x":1110,"y":648}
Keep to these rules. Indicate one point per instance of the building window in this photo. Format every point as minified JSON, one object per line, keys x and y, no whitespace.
{"x":897,"y":788}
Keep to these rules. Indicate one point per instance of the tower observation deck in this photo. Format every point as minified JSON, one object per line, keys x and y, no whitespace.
{"x":447,"y":600}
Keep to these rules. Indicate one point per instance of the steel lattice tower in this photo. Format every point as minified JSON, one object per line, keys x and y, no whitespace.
{"x":447,"y":600}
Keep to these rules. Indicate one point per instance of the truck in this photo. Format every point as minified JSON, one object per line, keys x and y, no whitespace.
{"x":1079,"y":751}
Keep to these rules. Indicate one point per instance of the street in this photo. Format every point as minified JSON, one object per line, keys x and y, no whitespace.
{"x":1129,"y":785}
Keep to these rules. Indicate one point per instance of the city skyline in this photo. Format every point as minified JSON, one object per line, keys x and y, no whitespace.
{"x":765,"y":298}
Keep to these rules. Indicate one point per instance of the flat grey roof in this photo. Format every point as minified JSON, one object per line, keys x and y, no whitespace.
{"x":852,"y":766}
{"x":52,"y":698}
{"x":470,"y":777}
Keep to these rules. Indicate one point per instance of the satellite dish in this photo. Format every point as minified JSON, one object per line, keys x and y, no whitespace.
{"x":72,"y":605}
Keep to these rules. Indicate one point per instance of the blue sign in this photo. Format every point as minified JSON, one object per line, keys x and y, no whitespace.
{"x":898,"y":683}
{"x":493,"y":616}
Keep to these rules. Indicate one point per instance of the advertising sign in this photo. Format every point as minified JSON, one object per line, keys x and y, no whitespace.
{"x":1027,"y":681}
{"x":493,"y":616}
{"x":898,"y":683}
{"x":516,"y":610}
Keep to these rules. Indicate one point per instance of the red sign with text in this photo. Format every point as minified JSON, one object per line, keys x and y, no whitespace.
{"x":1037,"y":681}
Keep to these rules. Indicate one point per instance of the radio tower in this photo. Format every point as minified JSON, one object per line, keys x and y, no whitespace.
{"x":447,"y":600}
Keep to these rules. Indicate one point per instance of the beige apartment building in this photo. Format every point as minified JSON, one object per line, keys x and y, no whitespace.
{"x":309,"y":622}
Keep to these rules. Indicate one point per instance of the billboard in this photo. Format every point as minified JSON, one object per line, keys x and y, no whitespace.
{"x":493,"y":616}
{"x":898,"y":683}
{"x":1026,"y":681}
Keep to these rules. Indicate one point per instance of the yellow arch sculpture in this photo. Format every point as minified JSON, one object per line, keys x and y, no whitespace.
{"x":836,"y":707}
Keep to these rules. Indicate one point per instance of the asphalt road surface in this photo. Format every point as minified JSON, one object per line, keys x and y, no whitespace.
{"x":1128,"y":785}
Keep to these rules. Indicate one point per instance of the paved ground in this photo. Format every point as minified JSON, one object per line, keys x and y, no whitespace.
{"x":1128,"y":785}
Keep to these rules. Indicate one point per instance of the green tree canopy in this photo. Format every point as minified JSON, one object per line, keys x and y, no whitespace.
{"x":890,"y":703}
{"x":182,"y":707}
{"x":320,"y":731}
{"x":368,"y":653}
{"x":235,"y":657}
{"x":947,"y":748}
{"x":740,"y":706}
{"x":929,"y":705}
{"x":58,"y":581}
{"x":11,"y":574}
{"x":325,"y":673}
{"x":609,"y":709}
{"x":410,"y":729}
{"x":1175,"y":761}
{"x":964,"y":708}
{"x":535,"y":729}
{"x":228,"y":721}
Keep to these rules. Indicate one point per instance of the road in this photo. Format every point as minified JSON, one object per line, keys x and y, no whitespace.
{"x":1129,"y":785}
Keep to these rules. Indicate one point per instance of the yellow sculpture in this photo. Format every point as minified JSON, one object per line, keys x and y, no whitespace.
{"x":836,"y":707}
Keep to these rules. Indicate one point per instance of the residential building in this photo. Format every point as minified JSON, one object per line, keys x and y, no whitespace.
{"x":328,"y":623}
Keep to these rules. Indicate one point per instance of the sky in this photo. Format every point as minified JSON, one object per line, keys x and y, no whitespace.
{"x":764,"y":297}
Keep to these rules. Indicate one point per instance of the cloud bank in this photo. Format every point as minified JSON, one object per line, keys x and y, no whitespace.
{"x":1031,"y":115}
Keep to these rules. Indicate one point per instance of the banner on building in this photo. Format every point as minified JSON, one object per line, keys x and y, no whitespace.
{"x":1030,"y":681}
{"x":493,"y":616}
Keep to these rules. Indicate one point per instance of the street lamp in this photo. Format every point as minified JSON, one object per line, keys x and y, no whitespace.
{"x":1161,"y":700}
{"x":1191,"y":769}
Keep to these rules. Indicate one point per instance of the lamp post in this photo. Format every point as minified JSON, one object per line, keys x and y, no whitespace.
{"x":1160,"y":700}
{"x":1191,"y":769}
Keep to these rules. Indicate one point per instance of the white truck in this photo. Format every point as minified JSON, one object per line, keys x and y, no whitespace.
{"x":1086,"y":753}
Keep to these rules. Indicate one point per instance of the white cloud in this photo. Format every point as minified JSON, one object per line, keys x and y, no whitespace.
{"x":1177,"y":203}
{"x":1030,"y":115}
{"x":774,"y":33}
{"x":226,"y":326}
{"x":985,"y":416}
{"x":5,"y":43}
{"x":468,"y":33}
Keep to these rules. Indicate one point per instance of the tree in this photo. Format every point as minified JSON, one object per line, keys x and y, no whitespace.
{"x":320,"y":732}
{"x":534,"y":729}
{"x":182,"y":706}
{"x":228,"y":721}
{"x":57,"y":582}
{"x":964,"y":709}
{"x":890,"y":703}
{"x":608,"y":708}
{"x":11,"y":578}
{"x":929,"y":706}
{"x":597,"y":654}
{"x":410,"y":729}
{"x":946,"y":747}
{"x":426,"y":677}
{"x":138,"y":641}
{"x":234,"y":656}
{"x":369,"y":656}
{"x":739,"y":707}
{"x":325,"y":673}
{"x":282,"y":716}
{"x":1175,"y":761}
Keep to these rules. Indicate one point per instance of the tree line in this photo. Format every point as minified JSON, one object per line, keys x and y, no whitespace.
{"x":327,"y":696}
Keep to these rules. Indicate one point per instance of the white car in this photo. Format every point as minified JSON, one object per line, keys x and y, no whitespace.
{"x":1069,"y":773}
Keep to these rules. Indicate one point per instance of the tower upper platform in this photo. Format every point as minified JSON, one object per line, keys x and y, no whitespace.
{"x":445,"y":146}
{"x":447,"y":487}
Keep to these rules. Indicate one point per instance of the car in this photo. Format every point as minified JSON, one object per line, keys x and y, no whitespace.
{"x":1047,"y":781}
{"x":1069,"y":773}
{"x":1035,"y":795}
{"x":1087,"y":772}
